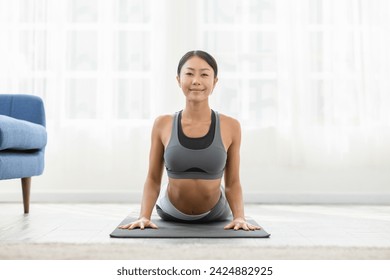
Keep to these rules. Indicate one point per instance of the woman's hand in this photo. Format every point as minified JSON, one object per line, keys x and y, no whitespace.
{"x":240,"y":223}
{"x":141,"y":223}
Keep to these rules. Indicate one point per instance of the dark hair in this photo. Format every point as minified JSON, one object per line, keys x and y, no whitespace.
{"x":203,"y":55}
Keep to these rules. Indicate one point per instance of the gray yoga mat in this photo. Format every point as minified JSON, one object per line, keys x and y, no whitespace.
{"x":184,"y":230}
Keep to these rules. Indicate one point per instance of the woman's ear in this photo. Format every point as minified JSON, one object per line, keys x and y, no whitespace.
{"x":215,"y":83}
{"x":178,"y":81}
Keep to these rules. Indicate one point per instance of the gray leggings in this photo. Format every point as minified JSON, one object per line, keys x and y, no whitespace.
{"x":221,"y":211}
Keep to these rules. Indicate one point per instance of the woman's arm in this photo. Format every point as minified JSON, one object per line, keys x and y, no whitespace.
{"x":153,"y":179}
{"x":233,"y":188}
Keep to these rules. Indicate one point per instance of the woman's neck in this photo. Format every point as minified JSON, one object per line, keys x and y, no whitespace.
{"x":196,"y":112}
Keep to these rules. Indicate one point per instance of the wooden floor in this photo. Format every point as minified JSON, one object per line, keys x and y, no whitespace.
{"x":289,"y":225}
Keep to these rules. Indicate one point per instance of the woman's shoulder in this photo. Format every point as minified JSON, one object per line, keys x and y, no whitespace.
{"x":229,"y":121}
{"x":164,"y":118}
{"x":163,"y":121}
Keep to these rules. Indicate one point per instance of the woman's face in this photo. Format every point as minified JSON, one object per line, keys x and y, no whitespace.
{"x":197,"y":79}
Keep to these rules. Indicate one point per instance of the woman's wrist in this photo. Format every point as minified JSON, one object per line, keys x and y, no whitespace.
{"x":143,"y":217}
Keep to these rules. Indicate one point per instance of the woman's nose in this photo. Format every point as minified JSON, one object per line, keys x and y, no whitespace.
{"x":195,"y":81}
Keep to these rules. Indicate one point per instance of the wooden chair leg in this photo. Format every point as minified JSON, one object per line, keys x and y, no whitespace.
{"x":26,"y":186}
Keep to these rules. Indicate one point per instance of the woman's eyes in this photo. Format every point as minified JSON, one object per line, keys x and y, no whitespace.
{"x":191,"y":74}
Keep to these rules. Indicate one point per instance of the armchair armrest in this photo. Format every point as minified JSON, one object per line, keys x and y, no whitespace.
{"x":18,"y":134}
{"x":23,"y":107}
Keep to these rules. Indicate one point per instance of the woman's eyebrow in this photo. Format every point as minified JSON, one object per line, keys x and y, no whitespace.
{"x":189,"y":68}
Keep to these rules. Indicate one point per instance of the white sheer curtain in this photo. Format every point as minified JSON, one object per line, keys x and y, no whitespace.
{"x":90,"y":60}
{"x":333,"y":100}
{"x":308,"y":79}
{"x":310,"y":74}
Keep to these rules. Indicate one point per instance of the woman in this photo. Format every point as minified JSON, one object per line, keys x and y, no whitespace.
{"x":197,"y":146}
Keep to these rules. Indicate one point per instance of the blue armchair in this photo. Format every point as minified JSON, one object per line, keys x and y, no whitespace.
{"x":23,"y":139}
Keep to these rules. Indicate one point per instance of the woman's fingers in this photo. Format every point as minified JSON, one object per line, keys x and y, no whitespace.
{"x":152,"y":225}
{"x":139,"y":224}
{"x":242,"y":225}
{"x":124,"y":226}
{"x":255,"y":227}
{"x":229,"y":226}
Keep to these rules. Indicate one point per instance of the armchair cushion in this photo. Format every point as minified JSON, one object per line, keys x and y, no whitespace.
{"x":18,"y":134}
{"x":21,"y":165}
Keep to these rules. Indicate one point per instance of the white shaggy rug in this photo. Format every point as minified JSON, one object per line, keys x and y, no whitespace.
{"x":102,"y":251}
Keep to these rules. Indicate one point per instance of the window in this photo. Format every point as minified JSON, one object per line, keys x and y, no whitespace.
{"x":243,"y":37}
{"x":91,"y":62}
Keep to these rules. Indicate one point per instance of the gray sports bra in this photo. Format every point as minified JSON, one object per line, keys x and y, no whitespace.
{"x":185,"y":163}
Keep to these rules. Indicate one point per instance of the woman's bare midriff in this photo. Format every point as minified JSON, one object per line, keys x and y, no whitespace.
{"x":194,"y":196}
